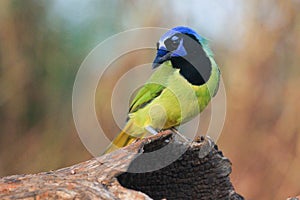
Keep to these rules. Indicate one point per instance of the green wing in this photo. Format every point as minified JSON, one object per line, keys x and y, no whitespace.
{"x":153,"y":88}
{"x":145,"y":95}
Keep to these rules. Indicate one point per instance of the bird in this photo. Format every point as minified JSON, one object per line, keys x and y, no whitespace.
{"x":185,"y":79}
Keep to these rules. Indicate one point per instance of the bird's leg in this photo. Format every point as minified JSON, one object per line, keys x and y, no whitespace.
{"x":151,"y":130}
{"x":179,"y":134}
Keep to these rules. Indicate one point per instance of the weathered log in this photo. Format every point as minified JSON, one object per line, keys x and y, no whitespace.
{"x":174,"y":170}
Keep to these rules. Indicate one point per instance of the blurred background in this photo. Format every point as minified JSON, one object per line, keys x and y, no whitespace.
{"x":256,"y":44}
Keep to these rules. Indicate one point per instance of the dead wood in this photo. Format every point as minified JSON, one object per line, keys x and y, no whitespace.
{"x":159,"y":167}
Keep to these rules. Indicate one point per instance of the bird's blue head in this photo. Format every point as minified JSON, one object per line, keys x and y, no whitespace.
{"x":174,"y":43}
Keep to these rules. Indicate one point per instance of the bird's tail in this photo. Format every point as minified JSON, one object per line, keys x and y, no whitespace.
{"x":124,"y":138}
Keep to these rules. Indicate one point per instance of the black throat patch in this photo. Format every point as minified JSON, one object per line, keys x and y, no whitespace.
{"x":195,"y":66}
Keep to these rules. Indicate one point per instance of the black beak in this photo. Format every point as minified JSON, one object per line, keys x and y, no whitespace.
{"x":162,"y":56}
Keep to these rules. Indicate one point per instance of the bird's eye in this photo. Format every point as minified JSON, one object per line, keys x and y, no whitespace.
{"x":172,"y":43}
{"x":175,"y":39}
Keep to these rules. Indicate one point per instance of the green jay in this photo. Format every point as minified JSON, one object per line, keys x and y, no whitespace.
{"x":185,"y":79}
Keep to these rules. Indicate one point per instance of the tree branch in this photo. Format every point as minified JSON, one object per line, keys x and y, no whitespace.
{"x":174,"y":170}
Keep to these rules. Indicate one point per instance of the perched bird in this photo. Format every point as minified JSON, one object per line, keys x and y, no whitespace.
{"x":186,"y":79}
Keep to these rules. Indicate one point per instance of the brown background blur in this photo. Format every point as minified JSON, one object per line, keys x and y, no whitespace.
{"x":256,"y":43}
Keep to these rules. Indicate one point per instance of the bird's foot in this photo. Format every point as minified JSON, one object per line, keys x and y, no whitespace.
{"x":180,"y":135}
{"x":151,"y":130}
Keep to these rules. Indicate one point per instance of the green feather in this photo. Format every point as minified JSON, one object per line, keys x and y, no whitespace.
{"x":152,"y":89}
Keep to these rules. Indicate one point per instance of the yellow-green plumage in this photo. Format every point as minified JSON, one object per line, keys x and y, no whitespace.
{"x":167,"y":100}
{"x":181,"y":105}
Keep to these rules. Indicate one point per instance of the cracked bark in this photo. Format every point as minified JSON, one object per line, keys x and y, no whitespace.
{"x":158,"y":167}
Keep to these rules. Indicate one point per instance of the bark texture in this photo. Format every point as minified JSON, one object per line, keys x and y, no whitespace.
{"x":160,"y":167}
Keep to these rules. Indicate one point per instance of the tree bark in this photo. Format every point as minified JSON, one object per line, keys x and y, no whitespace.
{"x":159,"y":167}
